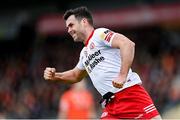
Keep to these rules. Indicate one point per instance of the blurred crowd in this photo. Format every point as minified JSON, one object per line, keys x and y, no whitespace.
{"x":25,"y":94}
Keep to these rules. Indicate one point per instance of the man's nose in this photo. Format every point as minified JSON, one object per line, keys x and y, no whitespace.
{"x":69,"y":30}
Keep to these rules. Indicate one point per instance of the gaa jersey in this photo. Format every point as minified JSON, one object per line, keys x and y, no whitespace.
{"x":103,"y":63}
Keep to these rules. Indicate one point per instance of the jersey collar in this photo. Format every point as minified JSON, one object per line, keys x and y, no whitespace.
{"x":87,"y":41}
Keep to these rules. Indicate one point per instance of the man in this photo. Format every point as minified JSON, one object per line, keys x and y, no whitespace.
{"x":106,"y":57}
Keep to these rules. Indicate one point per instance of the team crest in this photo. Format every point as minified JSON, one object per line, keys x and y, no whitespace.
{"x":92,"y":45}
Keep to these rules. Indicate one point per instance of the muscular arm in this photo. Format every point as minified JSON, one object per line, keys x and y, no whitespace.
{"x":127,"y":48}
{"x":70,"y":76}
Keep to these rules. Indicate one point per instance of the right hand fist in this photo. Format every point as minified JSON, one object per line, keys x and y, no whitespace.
{"x":49,"y":73}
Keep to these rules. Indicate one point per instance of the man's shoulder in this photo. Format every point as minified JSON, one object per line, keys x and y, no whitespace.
{"x":100,"y":30}
{"x":101,"y":33}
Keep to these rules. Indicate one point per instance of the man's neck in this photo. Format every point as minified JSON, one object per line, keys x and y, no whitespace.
{"x":88,"y":33}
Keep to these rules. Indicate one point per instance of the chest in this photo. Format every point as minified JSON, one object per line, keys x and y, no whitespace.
{"x":93,"y":54}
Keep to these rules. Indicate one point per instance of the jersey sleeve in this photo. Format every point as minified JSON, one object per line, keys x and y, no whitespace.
{"x":80,"y":63}
{"x":105,"y":35}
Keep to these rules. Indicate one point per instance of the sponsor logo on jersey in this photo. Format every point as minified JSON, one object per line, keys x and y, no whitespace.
{"x":93,"y":60}
{"x":107,"y":35}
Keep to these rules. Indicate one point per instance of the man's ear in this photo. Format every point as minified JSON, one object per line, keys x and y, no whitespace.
{"x":84,"y":20}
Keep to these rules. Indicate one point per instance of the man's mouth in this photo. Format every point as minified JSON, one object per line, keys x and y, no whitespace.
{"x":74,"y":35}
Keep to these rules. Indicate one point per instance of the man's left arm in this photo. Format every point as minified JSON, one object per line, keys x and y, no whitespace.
{"x":127,"y":49}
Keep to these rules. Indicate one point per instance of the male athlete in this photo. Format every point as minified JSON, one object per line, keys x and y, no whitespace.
{"x":106,"y":57}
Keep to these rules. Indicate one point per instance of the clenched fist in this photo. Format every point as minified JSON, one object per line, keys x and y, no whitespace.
{"x":119,"y":82}
{"x":49,"y":73}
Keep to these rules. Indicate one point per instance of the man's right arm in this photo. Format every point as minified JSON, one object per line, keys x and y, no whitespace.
{"x":70,"y":76}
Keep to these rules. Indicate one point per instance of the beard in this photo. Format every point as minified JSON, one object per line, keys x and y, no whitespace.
{"x":77,"y":37}
{"x":77,"y":40}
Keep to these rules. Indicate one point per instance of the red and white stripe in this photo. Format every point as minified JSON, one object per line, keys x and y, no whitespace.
{"x":149,"y":108}
{"x":108,"y":36}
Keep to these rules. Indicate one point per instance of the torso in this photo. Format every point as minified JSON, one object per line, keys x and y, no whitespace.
{"x":103,"y":63}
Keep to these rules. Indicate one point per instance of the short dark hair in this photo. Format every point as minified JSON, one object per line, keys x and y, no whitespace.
{"x":79,"y":13}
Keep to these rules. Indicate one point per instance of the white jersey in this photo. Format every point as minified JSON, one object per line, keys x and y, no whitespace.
{"x":103,"y":63}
